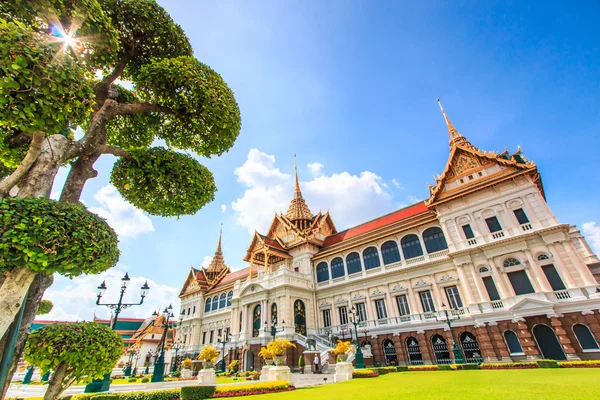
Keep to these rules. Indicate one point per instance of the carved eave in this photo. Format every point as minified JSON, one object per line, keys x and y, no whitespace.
{"x":191,"y":283}
{"x":263,"y":248}
{"x":465,"y":160}
{"x":216,"y":278}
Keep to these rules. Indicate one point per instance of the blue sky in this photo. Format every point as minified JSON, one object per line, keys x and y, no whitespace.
{"x":350,"y":87}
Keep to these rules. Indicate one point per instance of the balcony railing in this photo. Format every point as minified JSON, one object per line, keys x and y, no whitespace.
{"x":562,"y":294}
{"x":472,"y":242}
{"x":497,"y":304}
{"x":498,"y":235}
{"x":526,"y":227}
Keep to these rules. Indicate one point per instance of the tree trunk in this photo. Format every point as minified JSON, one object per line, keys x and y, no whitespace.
{"x":14,"y":288}
{"x":38,"y":181}
{"x":81,"y":171}
{"x":55,"y":385}
{"x":36,"y":291}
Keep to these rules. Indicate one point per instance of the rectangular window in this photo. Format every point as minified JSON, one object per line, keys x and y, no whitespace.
{"x":184,"y":338}
{"x":361,"y":311}
{"x":553,"y":277}
{"x":521,"y":216}
{"x":343,"y":315}
{"x":203,"y":337}
{"x":219,"y":333}
{"x":490,"y":286}
{"x":403,"y":308}
{"x":493,"y":224}
{"x":427,"y":301}
{"x":194,"y":310}
{"x":468,"y":231}
{"x":212,"y":336}
{"x":189,"y":309}
{"x":520,"y":282}
{"x":227,"y":332}
{"x":454,"y":297}
{"x":326,"y":318}
{"x":381,"y":311}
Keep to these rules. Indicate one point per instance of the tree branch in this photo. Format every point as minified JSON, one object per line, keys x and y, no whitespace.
{"x":134,"y":108}
{"x":32,"y":154}
{"x":102,"y":87}
{"x":115,"y":151}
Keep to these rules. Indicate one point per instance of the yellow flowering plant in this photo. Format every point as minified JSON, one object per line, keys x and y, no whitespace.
{"x":278,"y":346}
{"x":265,"y":353}
{"x":208,"y":353}
{"x":343,"y":348}
{"x":186,"y":364}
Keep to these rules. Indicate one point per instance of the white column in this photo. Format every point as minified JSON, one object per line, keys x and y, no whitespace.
{"x":481,"y":290}
{"x":464,"y":284}
{"x":539,"y":280}
{"x":436,"y":292}
{"x":560,"y":265}
{"x":499,"y":279}
{"x":584,"y":271}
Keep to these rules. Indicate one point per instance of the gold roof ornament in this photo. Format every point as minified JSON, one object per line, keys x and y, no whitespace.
{"x":298,"y":209}
{"x":218,"y":262}
{"x":455,"y":136}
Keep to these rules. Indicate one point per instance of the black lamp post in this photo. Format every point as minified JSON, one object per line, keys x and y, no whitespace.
{"x":458,"y":355}
{"x":102,"y":385}
{"x":223,"y":341}
{"x":137,"y":357}
{"x":355,"y":319}
{"x":176,"y":347}
{"x":127,"y":370}
{"x":274,"y":329}
{"x":158,"y":375}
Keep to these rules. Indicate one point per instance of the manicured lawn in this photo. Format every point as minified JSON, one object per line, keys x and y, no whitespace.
{"x":224,"y":379}
{"x":537,"y":384}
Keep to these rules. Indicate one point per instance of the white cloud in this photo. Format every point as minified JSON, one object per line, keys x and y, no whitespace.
{"x":396,"y":183}
{"x":592,"y":233}
{"x":76,"y":299}
{"x":124,"y":218}
{"x":351,"y":199}
{"x":223,"y":207}
{"x":413,"y":199}
{"x":316,"y":169}
{"x":206,"y":261}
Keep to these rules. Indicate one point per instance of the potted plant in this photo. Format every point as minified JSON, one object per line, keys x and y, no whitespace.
{"x":266,"y":355}
{"x":278,"y":348}
{"x":341,"y":350}
{"x":121,"y":364}
{"x":208,"y":355}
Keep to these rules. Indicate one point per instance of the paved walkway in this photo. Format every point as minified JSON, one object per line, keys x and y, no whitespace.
{"x":24,"y":391}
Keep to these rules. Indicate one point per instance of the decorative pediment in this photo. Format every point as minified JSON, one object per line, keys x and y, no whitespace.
{"x":341,"y":300}
{"x":324,"y":304}
{"x":398,"y":288}
{"x":531,"y":304}
{"x":358,"y":296}
{"x":446,"y":278}
{"x":377,"y":292}
{"x":421,"y":284}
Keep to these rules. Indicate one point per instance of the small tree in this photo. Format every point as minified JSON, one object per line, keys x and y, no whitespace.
{"x":75,"y":352}
{"x":45,"y":307}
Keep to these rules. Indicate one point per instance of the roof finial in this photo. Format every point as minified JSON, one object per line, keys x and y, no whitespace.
{"x":297,"y":193}
{"x":454,"y":135}
{"x":220,"y":236}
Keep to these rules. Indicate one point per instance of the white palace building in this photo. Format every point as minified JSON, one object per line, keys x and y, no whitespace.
{"x":485,"y":248}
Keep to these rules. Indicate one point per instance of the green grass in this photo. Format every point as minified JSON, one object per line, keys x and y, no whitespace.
{"x":537,"y":384}
{"x":225,"y":379}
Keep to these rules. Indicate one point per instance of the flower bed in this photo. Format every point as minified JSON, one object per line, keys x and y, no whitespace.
{"x":513,"y":365}
{"x":255,"y":388}
{"x":579,"y":364}
{"x":423,"y":368}
{"x":364,"y":373}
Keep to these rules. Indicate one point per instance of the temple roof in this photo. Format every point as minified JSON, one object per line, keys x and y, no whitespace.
{"x":298,"y":209}
{"x":218,"y":262}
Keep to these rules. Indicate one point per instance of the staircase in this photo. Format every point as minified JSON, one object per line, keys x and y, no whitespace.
{"x":321,"y":345}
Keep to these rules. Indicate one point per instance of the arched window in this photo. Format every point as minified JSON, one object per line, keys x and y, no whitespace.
{"x":371,"y":257}
{"x":215,"y":303}
{"x":543,"y":257}
{"x":509,"y":262}
{"x":470,"y":347}
{"x":222,"y":300}
{"x":389,"y":351}
{"x":434,"y":239}
{"x":414,"y":351}
{"x":274,"y":314}
{"x":322,"y":272}
{"x":207,"y":305}
{"x":353,"y":263}
{"x":337,"y":268}
{"x":483,"y":270}
{"x":440,"y":350}
{"x":411,"y":246}
{"x":300,"y":317}
{"x":389,"y":252}
{"x":229,"y":296}
{"x":513,"y":343}
{"x":585,"y":337}
{"x":256,"y":321}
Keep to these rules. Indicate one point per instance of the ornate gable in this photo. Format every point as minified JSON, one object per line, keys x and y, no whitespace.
{"x":469,"y":168}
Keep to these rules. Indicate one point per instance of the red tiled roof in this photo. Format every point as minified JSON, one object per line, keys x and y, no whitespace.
{"x":234,"y":276}
{"x":376,"y":223}
{"x":271,"y":242}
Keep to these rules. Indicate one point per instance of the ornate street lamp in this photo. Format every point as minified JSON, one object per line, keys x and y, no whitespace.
{"x":355,"y":320}
{"x":127,"y":370}
{"x":102,"y":385}
{"x":273,"y":330}
{"x":458,"y":355}
{"x":158,"y":375}
{"x":174,"y":362}
{"x":344,"y":330}
{"x":137,"y":357}
{"x":223,"y":341}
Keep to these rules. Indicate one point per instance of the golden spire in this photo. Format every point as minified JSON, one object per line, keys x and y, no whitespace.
{"x":455,"y":137}
{"x":298,"y":210}
{"x":218,"y":262}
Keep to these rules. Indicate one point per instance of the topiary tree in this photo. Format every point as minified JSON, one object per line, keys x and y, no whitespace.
{"x":75,"y":352}
{"x":50,"y":54}
{"x":45,"y":307}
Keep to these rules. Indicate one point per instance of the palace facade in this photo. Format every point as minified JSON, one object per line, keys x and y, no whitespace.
{"x":484,"y":254}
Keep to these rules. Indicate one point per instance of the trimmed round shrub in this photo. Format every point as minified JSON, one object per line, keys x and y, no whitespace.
{"x":48,"y":236}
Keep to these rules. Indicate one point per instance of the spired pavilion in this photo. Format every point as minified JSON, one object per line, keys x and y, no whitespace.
{"x":485,"y":247}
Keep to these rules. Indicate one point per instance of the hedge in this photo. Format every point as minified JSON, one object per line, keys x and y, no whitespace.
{"x":580,"y":364}
{"x":383,"y":370}
{"x":465,"y":366}
{"x":197,"y":392}
{"x":253,"y":388}
{"x":423,"y":368}
{"x":170,"y":394}
{"x":548,"y":363}
{"x":364,"y":373}
{"x":513,"y":365}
